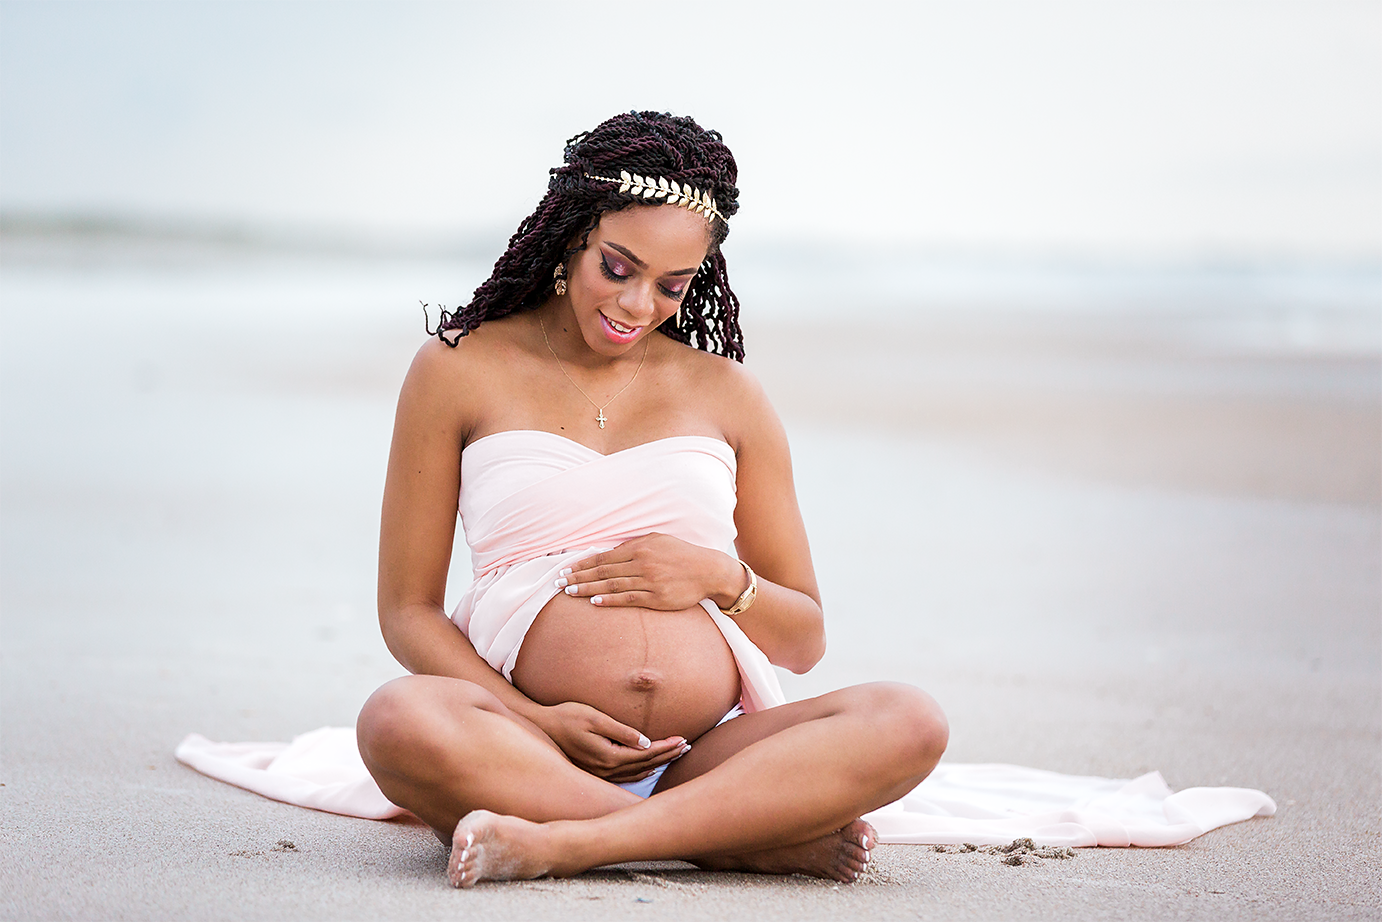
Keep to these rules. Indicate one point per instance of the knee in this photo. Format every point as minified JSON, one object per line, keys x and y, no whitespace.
{"x":405,"y":716}
{"x":913,"y":722}
{"x":387,"y":721}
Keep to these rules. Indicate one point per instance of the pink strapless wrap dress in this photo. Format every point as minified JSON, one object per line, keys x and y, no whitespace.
{"x":533,"y":502}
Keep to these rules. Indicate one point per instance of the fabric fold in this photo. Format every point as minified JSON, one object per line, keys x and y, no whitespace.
{"x":321,"y":770}
{"x":993,"y":804}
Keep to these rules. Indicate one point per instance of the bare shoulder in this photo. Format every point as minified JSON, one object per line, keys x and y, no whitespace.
{"x":447,"y":384}
{"x":467,"y":355}
{"x":740,"y":404}
{"x":438,"y":368}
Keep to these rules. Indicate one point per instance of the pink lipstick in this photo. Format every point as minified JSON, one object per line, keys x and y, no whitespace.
{"x":621,"y":334}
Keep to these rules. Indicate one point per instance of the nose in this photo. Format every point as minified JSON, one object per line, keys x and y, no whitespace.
{"x":637,"y":300}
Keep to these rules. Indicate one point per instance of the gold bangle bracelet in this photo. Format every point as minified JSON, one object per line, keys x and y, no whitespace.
{"x":745,"y":599}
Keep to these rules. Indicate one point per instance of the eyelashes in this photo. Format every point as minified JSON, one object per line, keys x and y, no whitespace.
{"x":608,"y":272}
{"x":676,"y":294}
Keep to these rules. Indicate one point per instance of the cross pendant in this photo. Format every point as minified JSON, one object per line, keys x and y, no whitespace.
{"x":601,"y":418}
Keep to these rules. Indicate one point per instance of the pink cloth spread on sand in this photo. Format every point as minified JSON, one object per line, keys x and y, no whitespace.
{"x":534,"y":502}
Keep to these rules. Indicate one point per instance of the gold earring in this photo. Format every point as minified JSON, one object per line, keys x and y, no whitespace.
{"x":557,"y":274}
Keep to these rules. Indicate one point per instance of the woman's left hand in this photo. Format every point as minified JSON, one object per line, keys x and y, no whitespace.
{"x":655,"y":571}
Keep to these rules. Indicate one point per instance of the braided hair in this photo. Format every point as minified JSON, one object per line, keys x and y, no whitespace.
{"x":648,"y":143}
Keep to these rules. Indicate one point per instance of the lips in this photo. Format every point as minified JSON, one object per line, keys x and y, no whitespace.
{"x":617,"y":332}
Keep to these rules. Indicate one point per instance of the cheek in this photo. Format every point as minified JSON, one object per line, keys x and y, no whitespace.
{"x":594,"y":280}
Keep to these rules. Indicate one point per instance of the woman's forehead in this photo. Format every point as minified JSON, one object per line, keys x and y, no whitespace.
{"x":665,"y":237}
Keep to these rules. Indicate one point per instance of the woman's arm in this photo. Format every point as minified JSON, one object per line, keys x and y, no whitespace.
{"x":418,"y":526}
{"x":785,"y":621}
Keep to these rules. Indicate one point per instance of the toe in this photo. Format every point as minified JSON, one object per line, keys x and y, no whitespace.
{"x":859,"y":833}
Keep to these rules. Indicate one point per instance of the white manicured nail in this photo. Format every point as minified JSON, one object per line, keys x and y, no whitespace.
{"x":561,"y":584}
{"x":644,"y":742}
{"x":571,"y":590}
{"x":866,"y":842}
{"x":597,"y":600}
{"x":566,"y":571}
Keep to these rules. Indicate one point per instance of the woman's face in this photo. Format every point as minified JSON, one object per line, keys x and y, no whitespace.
{"x":634,"y":272}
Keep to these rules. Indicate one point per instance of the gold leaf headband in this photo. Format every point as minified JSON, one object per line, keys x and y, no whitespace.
{"x":658,"y":187}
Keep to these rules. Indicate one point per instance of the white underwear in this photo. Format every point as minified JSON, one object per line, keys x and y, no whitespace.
{"x":644,"y":787}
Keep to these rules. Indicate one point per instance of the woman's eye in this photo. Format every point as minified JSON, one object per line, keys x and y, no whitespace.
{"x":613,"y":268}
{"x":616,"y":270}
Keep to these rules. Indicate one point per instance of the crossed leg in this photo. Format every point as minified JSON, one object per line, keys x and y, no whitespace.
{"x":777,"y":791}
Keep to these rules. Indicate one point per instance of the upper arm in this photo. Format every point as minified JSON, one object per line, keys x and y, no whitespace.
{"x":772,"y":535}
{"x":422,"y":487}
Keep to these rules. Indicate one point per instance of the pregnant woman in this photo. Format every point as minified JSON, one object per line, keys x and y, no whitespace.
{"x":603,"y":693}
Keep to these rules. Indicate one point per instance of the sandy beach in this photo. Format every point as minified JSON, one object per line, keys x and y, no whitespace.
{"x":1108,"y":544}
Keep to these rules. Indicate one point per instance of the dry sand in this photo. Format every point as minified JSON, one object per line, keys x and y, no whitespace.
{"x":1104,"y":550}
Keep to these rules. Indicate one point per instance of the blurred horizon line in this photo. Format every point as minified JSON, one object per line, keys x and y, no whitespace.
{"x":246,"y":236}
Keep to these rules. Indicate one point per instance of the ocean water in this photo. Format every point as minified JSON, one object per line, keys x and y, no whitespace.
{"x":1269,"y":307}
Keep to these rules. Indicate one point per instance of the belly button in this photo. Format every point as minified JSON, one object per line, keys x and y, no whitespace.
{"x":644,"y":681}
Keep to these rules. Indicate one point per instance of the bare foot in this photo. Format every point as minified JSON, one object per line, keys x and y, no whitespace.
{"x":842,"y":855}
{"x":487,"y":846}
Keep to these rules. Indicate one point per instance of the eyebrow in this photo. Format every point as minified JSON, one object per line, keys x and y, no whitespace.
{"x":640,"y":263}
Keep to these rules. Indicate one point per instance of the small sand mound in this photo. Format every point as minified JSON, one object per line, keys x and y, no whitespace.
{"x":1016,"y":853}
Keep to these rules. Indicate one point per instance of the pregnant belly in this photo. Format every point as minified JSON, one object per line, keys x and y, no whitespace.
{"x":663,"y":673}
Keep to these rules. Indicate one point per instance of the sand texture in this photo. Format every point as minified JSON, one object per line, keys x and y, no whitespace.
{"x":1103,"y":548}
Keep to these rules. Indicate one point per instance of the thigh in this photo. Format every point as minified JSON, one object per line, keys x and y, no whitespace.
{"x":874,"y":702}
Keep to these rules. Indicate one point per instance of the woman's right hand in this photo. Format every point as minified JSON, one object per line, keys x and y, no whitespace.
{"x":601,"y":745}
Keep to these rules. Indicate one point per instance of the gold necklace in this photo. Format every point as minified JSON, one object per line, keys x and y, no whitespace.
{"x":600,"y":411}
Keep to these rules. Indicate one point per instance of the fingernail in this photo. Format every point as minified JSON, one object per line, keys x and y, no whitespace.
{"x":561,"y":584}
{"x":596,"y":600}
{"x":644,"y":742}
{"x":571,"y":590}
{"x":866,"y":841}
{"x":685,"y":748}
{"x":469,"y":839}
{"x":566,"y":571}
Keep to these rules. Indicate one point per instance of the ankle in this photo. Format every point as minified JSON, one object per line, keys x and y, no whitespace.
{"x":572,"y":847}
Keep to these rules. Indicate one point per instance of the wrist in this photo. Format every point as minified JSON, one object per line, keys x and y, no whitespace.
{"x":531,"y":711}
{"x":733,"y":580}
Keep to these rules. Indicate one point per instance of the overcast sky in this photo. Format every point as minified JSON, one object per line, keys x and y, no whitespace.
{"x":1240,"y":129}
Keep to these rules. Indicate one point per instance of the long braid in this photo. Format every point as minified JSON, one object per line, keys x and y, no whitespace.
{"x":648,"y":143}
